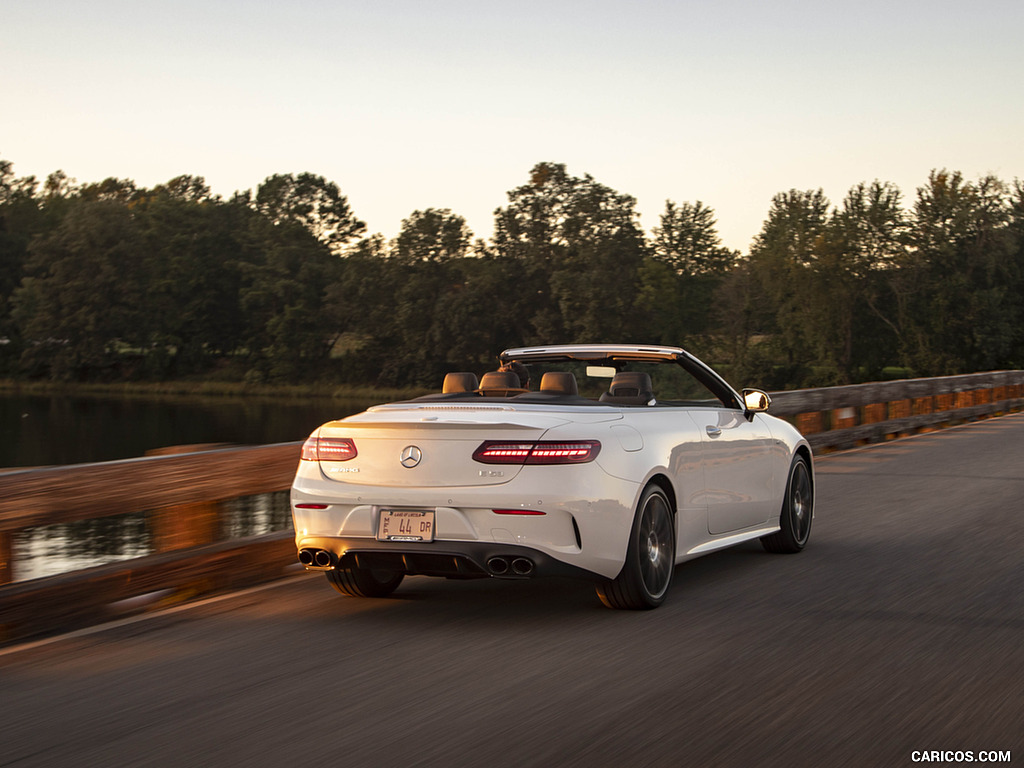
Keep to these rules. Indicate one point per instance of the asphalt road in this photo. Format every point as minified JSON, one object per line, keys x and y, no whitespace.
{"x":899,"y":629}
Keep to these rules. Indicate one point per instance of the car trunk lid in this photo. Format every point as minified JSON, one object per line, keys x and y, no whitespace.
{"x":430,"y":446}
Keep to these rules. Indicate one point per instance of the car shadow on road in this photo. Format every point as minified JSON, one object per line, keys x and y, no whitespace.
{"x":423,"y":601}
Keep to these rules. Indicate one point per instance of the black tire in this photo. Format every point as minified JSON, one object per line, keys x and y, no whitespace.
{"x":646,"y":575}
{"x":364,"y":582}
{"x":797,"y":512}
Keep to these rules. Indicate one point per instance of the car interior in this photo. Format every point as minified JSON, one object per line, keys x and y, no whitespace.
{"x":626,"y":388}
{"x":630,"y":388}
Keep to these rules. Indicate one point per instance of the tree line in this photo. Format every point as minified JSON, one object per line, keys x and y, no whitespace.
{"x":110,"y":281}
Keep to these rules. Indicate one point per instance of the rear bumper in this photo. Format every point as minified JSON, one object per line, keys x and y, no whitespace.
{"x":451,"y":559}
{"x":581,"y":519}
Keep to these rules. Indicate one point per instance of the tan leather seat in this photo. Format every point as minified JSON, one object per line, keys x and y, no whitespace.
{"x":500,"y":384}
{"x":629,"y":388}
{"x":459,"y":382}
{"x":559,"y":383}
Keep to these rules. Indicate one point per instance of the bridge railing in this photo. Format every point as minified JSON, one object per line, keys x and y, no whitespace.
{"x":184,"y":497}
{"x":842,"y":417}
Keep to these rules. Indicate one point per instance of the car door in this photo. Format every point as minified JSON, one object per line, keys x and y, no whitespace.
{"x":738,"y":469}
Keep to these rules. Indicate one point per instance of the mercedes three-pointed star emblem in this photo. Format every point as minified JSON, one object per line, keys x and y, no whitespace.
{"x":411,"y":456}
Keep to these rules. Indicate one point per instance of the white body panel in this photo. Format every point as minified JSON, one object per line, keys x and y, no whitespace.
{"x":725,"y":471}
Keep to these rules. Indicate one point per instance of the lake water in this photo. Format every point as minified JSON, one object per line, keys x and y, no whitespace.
{"x":54,"y":430}
{"x":46,"y":430}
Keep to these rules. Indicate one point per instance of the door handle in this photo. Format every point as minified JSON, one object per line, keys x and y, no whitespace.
{"x":712,"y":430}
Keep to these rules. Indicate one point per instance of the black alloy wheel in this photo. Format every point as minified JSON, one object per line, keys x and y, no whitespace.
{"x":646,"y":575}
{"x":797,"y":512}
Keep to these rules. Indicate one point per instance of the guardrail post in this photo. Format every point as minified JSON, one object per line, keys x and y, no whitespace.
{"x":900,"y":409}
{"x":810,"y":423}
{"x":6,"y":557}
{"x":923,"y":405}
{"x":874,"y":413}
{"x":843,"y":418}
{"x":184,"y":525}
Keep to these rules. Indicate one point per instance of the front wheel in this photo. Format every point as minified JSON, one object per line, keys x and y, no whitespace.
{"x":797,"y":512}
{"x":646,"y":575}
{"x":364,"y":582}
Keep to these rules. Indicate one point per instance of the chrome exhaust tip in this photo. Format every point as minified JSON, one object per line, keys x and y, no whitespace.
{"x":323,"y":558}
{"x":498,"y":566}
{"x":522,"y":567}
{"x":306,"y":556}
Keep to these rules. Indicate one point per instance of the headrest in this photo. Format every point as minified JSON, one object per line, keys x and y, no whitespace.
{"x":631,"y":384}
{"x":499,"y":380}
{"x":520,"y":371}
{"x":459,"y":382}
{"x":559,"y":383}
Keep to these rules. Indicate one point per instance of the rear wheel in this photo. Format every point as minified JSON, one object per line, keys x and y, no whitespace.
{"x":797,"y":512}
{"x":364,"y":582}
{"x":650,"y":559}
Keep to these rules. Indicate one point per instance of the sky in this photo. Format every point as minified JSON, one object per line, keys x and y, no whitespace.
{"x":414,"y":104}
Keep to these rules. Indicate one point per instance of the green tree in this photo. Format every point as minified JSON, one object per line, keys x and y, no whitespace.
{"x":475,"y":326}
{"x":361,"y":305}
{"x":849,"y":317}
{"x":581,"y":246}
{"x":821,"y":286}
{"x":435,"y":235}
{"x":423,"y":304}
{"x":291,"y":257}
{"x":680,"y":279}
{"x":119,"y":190}
{"x":20,"y":220}
{"x":957,"y":312}
{"x":780,"y":258}
{"x":283,"y":280}
{"x":425,"y":255}
{"x":312,"y":202}
{"x":193,"y":251}
{"x":1015,"y":270}
{"x":79,"y":303}
{"x":687,"y":240}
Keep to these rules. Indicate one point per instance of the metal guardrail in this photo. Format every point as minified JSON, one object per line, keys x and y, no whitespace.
{"x":183,"y":494}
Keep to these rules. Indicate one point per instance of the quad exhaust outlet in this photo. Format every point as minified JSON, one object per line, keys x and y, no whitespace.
{"x":510,"y":566}
{"x":500,"y":565}
{"x":316,"y":558}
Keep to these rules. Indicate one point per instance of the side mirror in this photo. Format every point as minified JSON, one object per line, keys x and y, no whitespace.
{"x":756,"y":401}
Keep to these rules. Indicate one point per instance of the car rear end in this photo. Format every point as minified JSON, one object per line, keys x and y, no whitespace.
{"x":462,"y":491}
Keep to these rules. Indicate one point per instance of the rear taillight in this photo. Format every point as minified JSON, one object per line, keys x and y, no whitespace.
{"x":540,"y":452}
{"x":328,"y":449}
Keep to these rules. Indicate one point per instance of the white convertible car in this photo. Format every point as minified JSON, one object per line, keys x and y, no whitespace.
{"x":607,"y":462}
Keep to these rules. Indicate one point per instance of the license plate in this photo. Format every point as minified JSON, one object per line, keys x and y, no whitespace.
{"x":405,"y":525}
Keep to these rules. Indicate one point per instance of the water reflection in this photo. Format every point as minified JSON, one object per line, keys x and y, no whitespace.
{"x":253,"y":515}
{"x":45,"y":430}
{"x":53,"y":549}
{"x":37,"y":430}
